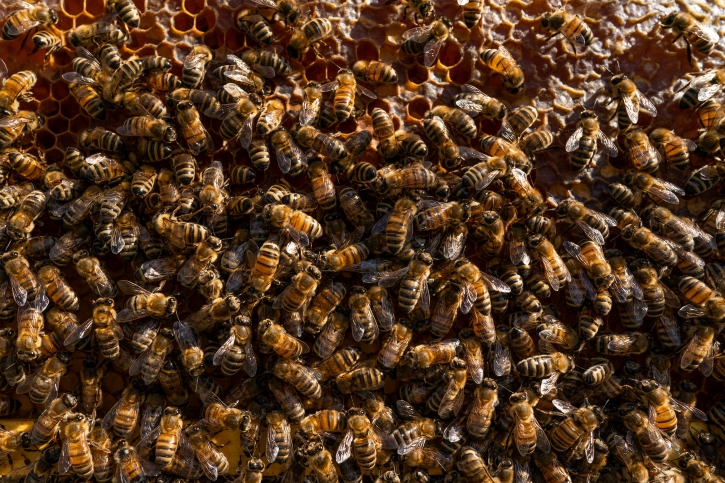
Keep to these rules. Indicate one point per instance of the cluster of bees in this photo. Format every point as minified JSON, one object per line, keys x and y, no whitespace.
{"x":486,"y":343}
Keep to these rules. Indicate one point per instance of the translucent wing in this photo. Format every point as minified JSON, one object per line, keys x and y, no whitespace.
{"x":550,"y":274}
{"x":572,"y":144}
{"x":64,"y":463}
{"x":111,"y":415}
{"x":345,"y":450}
{"x":495,"y":283}
{"x":79,"y":332}
{"x":79,"y":79}
{"x":501,"y":360}
{"x":690,"y":311}
{"x":250,"y":359}
{"x":591,"y":233}
{"x":609,"y":146}
{"x":420,"y":34}
{"x":194,"y":61}
{"x":19,"y":293}
{"x":366,"y":92}
{"x":20,"y":24}
{"x":150,"y":419}
{"x":518,"y":253}
{"x":272,"y":447}
{"x":646,"y":105}
{"x":185,"y":337}
{"x":549,"y":384}
{"x":431,"y":52}
{"x":221,"y":352}
{"x":542,"y":442}
{"x":424,"y":300}
{"x":385,"y":279}
{"x":706,"y":93}
{"x":631,"y":108}
{"x":564,"y":406}
{"x":309,"y":111}
{"x":266,"y":4}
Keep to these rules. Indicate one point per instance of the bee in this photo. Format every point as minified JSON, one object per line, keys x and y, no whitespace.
{"x":28,"y":17}
{"x":649,"y":437}
{"x":267,"y":62}
{"x":499,"y":60}
{"x":555,"y":269}
{"x":583,"y":143}
{"x":22,"y":222}
{"x":416,"y":430}
{"x":279,"y":438}
{"x":100,"y":138}
{"x":345,"y":88}
{"x":26,"y":286}
{"x":271,"y":116}
{"x":427,"y":40}
{"x":348,"y":254}
{"x":569,"y":24}
{"x":290,"y":157}
{"x":237,"y":346}
{"x":622,"y":344}
{"x":702,"y":38}
{"x":413,"y":176}
{"x":699,"y":351}
{"x":672,"y":148}
{"x":321,"y":463}
{"x":302,"y":378}
{"x":300,"y":226}
{"x":300,"y":291}
{"x":528,"y":434}
{"x":681,"y":226}
{"x":46,"y":426}
{"x":276,"y":337}
{"x":702,"y":87}
{"x":451,"y":299}
{"x":551,"y":365}
{"x":395,"y":344}
{"x":327,"y":146}
{"x":374,"y":71}
{"x":13,"y":127}
{"x":308,"y":36}
{"x":413,"y":285}
{"x":18,"y":86}
{"x":148,"y":126}
{"x":473,"y":467}
{"x":550,"y":467}
{"x":661,"y":250}
{"x":332,"y":333}
{"x":578,"y":426}
{"x":196,"y":135}
{"x":78,"y":454}
{"x":195,"y":65}
{"x":362,"y":440}
{"x":397,"y":223}
{"x":130,"y":465}
{"x":630,"y":101}
{"x":98,"y":33}
{"x":108,"y":333}
{"x":124,"y":414}
{"x":254,"y":25}
{"x":43,"y":384}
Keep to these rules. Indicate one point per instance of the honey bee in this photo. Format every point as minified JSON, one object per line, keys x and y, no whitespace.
{"x":500,"y":60}
{"x":555,"y":269}
{"x":238,"y":344}
{"x":206,"y":254}
{"x":308,"y":36}
{"x":622,"y":344}
{"x":16,"y":87}
{"x":474,"y":100}
{"x":300,"y":226}
{"x":699,"y":351}
{"x":427,"y":40}
{"x":302,"y":378}
{"x":100,"y":138}
{"x":15,"y":126}
{"x":395,"y":344}
{"x":569,"y":24}
{"x":150,"y":362}
{"x":550,"y":467}
{"x":179,"y":233}
{"x":630,"y":101}
{"x":276,"y":337}
{"x":22,"y":222}
{"x":528,"y":434}
{"x":649,"y":437}
{"x":97,"y":33}
{"x":195,"y":65}
{"x":46,"y":426}
{"x":578,"y":426}
{"x":345,"y":88}
{"x":702,"y":87}
{"x":124,"y":414}
{"x":583,"y":143}
{"x":130,"y":465}
{"x":362,"y":440}
{"x":300,"y":291}
{"x":254,"y":25}
{"x":279,"y":438}
{"x":374,"y":71}
{"x":661,"y":250}
{"x":148,"y":126}
{"x":211,"y":459}
{"x":26,"y":286}
{"x":702,"y":38}
{"x":551,"y":365}
{"x":290,"y":157}
{"x":144,"y":303}
{"x":196,"y":135}
{"x":672,"y":148}
{"x":43,"y":385}
{"x":77,"y":453}
{"x":28,"y":16}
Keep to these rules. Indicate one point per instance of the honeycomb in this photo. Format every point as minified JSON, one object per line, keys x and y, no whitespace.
{"x":626,"y":33}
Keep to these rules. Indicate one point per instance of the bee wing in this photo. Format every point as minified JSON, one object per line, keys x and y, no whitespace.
{"x":385,"y":279}
{"x":419,"y":34}
{"x":185,"y":337}
{"x":424,"y":301}
{"x":589,"y":447}
{"x":285,"y":163}
{"x":707,"y":92}
{"x":468,"y":153}
{"x":550,"y":275}
{"x":637,"y":310}
{"x":384,"y":314}
{"x":345,"y":449}
{"x":707,"y":364}
{"x":469,"y":105}
{"x":366,"y":92}
{"x":128,"y":315}
{"x":431,"y":52}
{"x":391,"y":349}
{"x":386,"y":440}
{"x":245,"y":137}
{"x":407,"y":411}
{"x":469,"y":297}
{"x":358,"y":325}
{"x":501,"y":360}
{"x":64,"y":460}
{"x":577,"y":290}
{"x":131,"y":288}
{"x":147,"y":439}
{"x":681,"y":407}
{"x":662,"y":377}
{"x":495,"y":283}
{"x":14,"y":121}
{"x":150,"y":420}
{"x":19,"y":293}
{"x":621,"y":343}
{"x":27,"y":383}
{"x":454,"y":432}
{"x":250,"y":359}
{"x":79,"y":79}
{"x":591,"y":233}
{"x":542,"y":442}
{"x":646,"y":105}
{"x":111,"y":415}
{"x":272,"y":447}
{"x":572,"y":144}
{"x":549,"y":384}
{"x":417,"y":443}
{"x":691,"y":311}
{"x":221,"y":352}
{"x":663,"y":194}
{"x":117,"y":241}
{"x":518,"y":253}
{"x":453,"y":244}
{"x":632,"y":110}
{"x":309,"y":111}
{"x":266,"y":4}
{"x":79,"y":332}
{"x":21,"y":23}
{"x":564,"y":406}
{"x":640,"y":156}
{"x":475,"y":364}
{"x":138,"y":363}
{"x":469,"y":89}
{"x":194,"y":61}
{"x":209,"y":468}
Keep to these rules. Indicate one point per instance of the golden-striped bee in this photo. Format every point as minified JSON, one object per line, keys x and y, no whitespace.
{"x":271,"y":116}
{"x":14,"y":126}
{"x":650,"y":438}
{"x":48,"y":41}
{"x":345,"y":88}
{"x":327,"y":146}
{"x":474,"y":100}
{"x":660,"y":190}
{"x":700,"y":37}
{"x":570,"y":24}
{"x":702,"y":87}
{"x":15,"y":88}
{"x":528,"y":434}
{"x":254,"y":25}
{"x":148,"y":126}
{"x":308,"y":36}
{"x":196,"y":135}
{"x":500,"y":60}
{"x":630,"y":101}
{"x":672,"y":148}
{"x":97,"y":34}
{"x":126,"y":11}
{"x":27,"y":16}
{"x":427,"y":40}
{"x":301,"y":227}
{"x":385,"y":132}
{"x":362,"y":440}
{"x":583,"y":143}
{"x":43,"y":385}
{"x":311,"y":100}
{"x":266,"y":62}
{"x":195,"y":65}
{"x":413,"y":176}
{"x":374,"y":71}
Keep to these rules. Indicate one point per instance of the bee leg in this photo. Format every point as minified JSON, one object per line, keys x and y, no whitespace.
{"x":689,"y":53}
{"x":551,"y":37}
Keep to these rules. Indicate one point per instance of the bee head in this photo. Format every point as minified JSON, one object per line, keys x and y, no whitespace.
{"x":625,"y":409}
{"x":139,"y":385}
{"x":172,"y":411}
{"x":264,"y":326}
{"x":668,"y":21}
{"x":69,"y":400}
{"x":64,"y":356}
